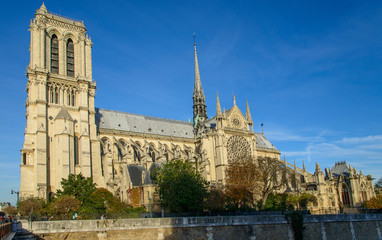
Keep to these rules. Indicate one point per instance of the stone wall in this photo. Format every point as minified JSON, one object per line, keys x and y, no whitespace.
{"x":323,"y":227}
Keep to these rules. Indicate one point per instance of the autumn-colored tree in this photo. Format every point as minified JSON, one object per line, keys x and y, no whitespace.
{"x":26,"y":205}
{"x":374,"y":203}
{"x":64,"y":204}
{"x":10,"y":210}
{"x":249,"y":180}
{"x":273,"y":176}
{"x":242,"y":182}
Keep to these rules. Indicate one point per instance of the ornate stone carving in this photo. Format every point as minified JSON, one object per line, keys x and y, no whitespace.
{"x":237,"y":147}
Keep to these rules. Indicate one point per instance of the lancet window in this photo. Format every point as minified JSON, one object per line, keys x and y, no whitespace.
{"x":70,"y":58}
{"x":54,"y":54}
{"x":345,"y":195}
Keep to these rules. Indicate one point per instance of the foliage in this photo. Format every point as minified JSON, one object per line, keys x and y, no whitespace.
{"x":10,"y":210}
{"x":216,"y":199}
{"x":181,"y":187}
{"x":374,"y":203}
{"x":77,"y":186}
{"x":26,"y":206}
{"x":250,"y":179}
{"x":297,"y":221}
{"x":288,"y":201}
{"x":272,"y":176}
{"x":306,"y":198}
{"x":241,"y":183}
{"x":378,"y":186}
{"x":65,"y":204}
{"x":99,"y":199}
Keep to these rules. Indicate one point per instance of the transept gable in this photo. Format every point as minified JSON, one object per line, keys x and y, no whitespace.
{"x":235,"y":118}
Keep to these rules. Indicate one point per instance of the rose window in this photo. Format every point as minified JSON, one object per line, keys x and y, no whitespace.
{"x":237,"y":148}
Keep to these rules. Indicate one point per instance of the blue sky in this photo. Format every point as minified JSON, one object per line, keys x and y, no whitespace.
{"x":311,"y":70}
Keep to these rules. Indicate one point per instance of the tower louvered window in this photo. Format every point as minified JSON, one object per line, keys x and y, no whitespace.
{"x":54,"y":54}
{"x":70,"y":58}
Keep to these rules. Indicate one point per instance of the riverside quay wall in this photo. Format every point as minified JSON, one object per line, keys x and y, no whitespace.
{"x":325,"y":227}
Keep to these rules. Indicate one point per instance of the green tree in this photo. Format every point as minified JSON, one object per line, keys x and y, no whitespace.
{"x":77,"y":186}
{"x":182,"y":188}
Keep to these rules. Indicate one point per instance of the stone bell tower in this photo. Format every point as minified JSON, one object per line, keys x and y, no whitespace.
{"x":60,"y":130}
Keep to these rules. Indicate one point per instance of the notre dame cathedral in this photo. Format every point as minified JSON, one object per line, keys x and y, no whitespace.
{"x":65,"y":134}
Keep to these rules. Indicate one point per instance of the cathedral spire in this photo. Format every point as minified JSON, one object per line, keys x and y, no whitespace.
{"x":200,"y":108}
{"x":218,"y":108}
{"x":318,"y":169}
{"x":234,"y":100}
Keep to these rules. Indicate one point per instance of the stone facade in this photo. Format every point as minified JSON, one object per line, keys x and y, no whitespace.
{"x":66,"y":134}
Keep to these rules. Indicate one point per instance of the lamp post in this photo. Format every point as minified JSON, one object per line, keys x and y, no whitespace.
{"x":17,"y":199}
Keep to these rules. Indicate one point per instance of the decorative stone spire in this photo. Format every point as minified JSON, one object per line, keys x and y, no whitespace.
{"x":234,"y":100}
{"x":294,"y":166}
{"x":303,"y":166}
{"x":200,"y":108}
{"x":248,"y":115}
{"x":42,"y":9}
{"x":218,"y":108}
{"x":318,"y":169}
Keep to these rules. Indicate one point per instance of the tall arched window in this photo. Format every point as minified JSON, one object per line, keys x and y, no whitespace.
{"x":76,"y":151}
{"x":70,"y":58}
{"x":102,"y":152}
{"x":345,"y":195}
{"x":137,"y":155}
{"x":363,"y":193}
{"x":152,"y":153}
{"x":54,"y":54}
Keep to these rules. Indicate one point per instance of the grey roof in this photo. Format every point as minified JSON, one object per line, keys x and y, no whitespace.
{"x":136,"y":172}
{"x":108,"y":119}
{"x":63,"y":114}
{"x":341,"y":168}
{"x":263,"y":142}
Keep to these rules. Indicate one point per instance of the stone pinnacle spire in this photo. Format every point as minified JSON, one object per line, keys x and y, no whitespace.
{"x":198,"y":84}
{"x":248,"y":114}
{"x":200,"y":108}
{"x":303,"y":166}
{"x":318,"y":169}
{"x":218,"y":108}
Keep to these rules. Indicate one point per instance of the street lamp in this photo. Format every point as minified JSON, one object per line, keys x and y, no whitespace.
{"x":17,"y":195}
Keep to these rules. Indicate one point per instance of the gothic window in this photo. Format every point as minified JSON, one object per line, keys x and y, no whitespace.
{"x":119,"y":154}
{"x":54,"y":54}
{"x":102,"y":152}
{"x":345,"y":195}
{"x":237,"y":148}
{"x":73,"y":95}
{"x":56,"y":95}
{"x":51,"y":95}
{"x":76,"y":155}
{"x":137,"y":155}
{"x":24,"y":158}
{"x":70,"y":58}
{"x":152,"y":153}
{"x":363,"y":193}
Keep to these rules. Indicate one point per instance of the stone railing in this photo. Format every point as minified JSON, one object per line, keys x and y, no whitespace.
{"x":360,"y":226}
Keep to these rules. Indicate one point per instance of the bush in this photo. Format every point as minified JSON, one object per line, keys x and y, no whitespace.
{"x":26,"y":206}
{"x":65,"y":204}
